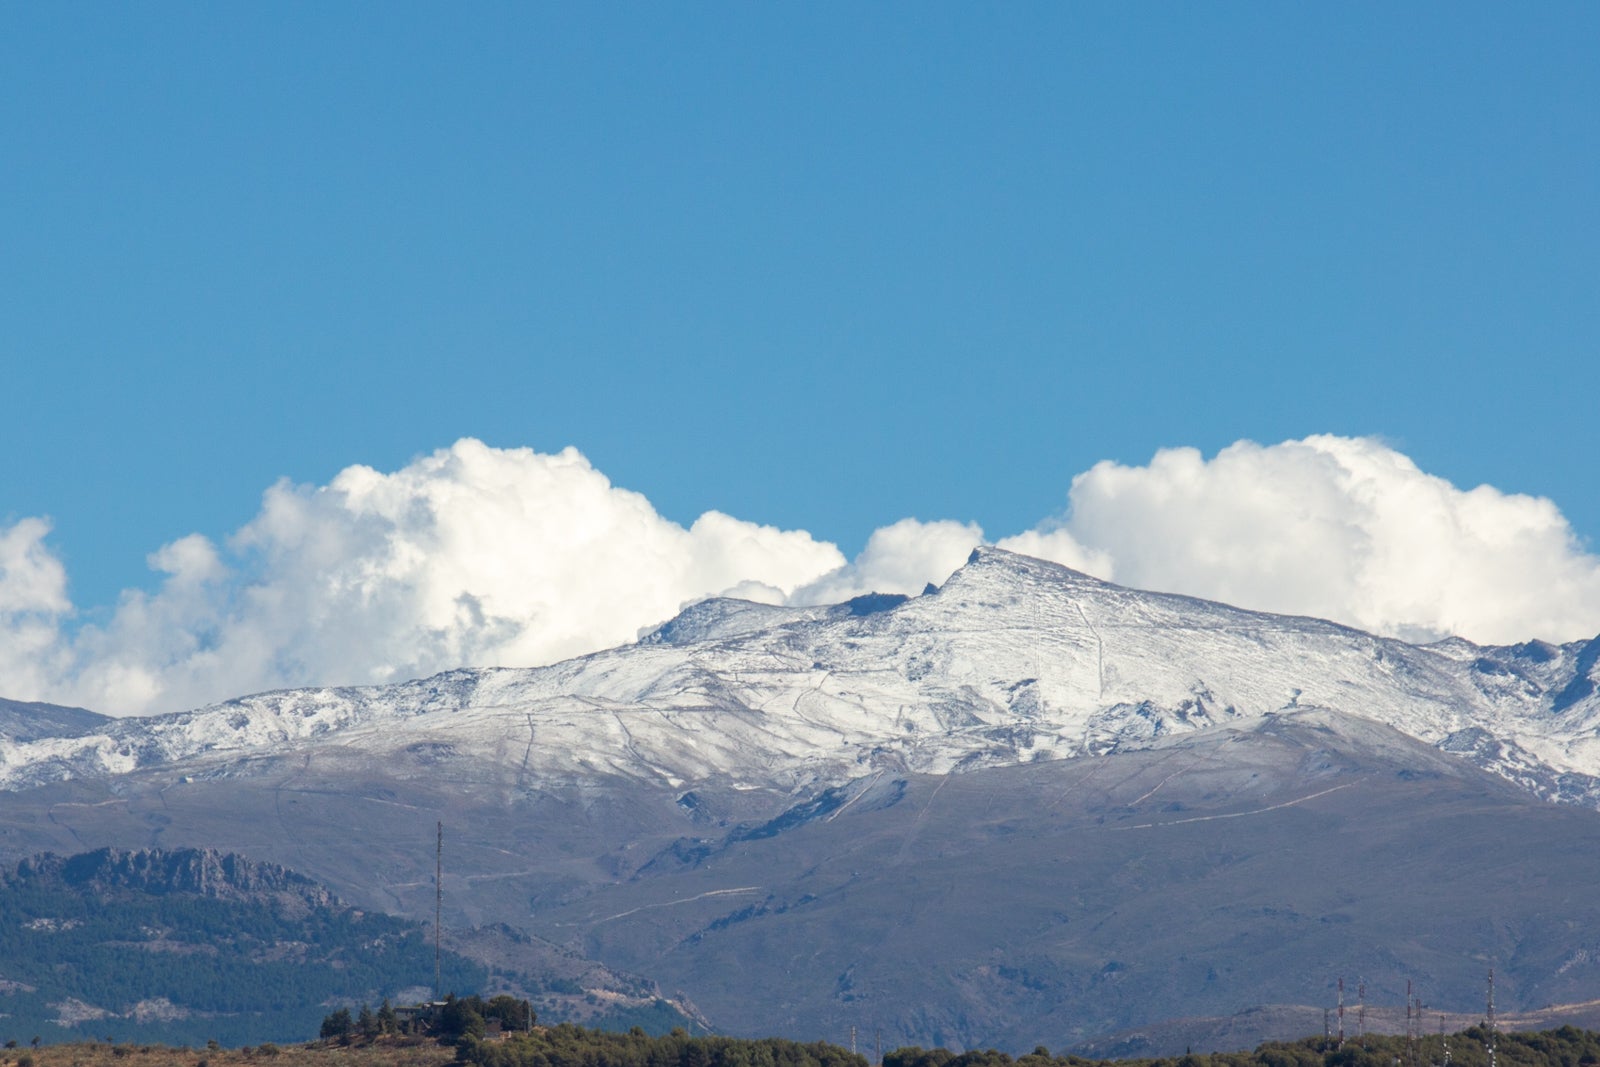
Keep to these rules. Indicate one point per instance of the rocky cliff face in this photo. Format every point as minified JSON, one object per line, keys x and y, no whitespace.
{"x":202,"y":872}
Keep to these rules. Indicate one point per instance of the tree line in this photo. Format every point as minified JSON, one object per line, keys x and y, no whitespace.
{"x":1565,"y":1047}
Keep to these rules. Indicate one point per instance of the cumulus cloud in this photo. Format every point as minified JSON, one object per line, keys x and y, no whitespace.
{"x":1340,"y":528}
{"x":32,"y":579}
{"x":481,"y":556}
{"x":469,"y":556}
{"x":33,"y":599}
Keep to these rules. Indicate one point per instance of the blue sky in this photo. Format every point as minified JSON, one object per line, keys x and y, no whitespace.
{"x":818,"y":266}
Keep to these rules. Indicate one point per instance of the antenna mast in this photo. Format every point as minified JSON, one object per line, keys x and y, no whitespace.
{"x":439,"y":901}
{"x":1341,"y":1012}
{"x":1489,"y":1017}
{"x":1413,"y":1022}
{"x":1361,"y":1011}
{"x":1410,"y":1047}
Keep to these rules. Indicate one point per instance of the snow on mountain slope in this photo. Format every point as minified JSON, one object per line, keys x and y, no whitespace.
{"x":1014,"y":659}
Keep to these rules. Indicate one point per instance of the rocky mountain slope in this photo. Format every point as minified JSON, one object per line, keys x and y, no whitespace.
{"x":1232,"y":873}
{"x":29,"y":721}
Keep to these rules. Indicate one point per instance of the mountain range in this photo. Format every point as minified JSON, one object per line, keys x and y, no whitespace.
{"x":1026,"y":806}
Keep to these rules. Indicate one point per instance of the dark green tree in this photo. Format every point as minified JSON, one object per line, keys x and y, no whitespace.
{"x":336,"y":1026}
{"x":459,"y":1018}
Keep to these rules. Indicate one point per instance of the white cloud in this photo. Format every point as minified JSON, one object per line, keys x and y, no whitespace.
{"x":471,"y":555}
{"x":33,"y":602}
{"x":32,"y":579}
{"x":479,"y":556}
{"x":1341,"y":528}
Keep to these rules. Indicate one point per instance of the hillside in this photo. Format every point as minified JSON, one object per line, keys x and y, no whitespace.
{"x":191,"y":945}
{"x":23,"y":722}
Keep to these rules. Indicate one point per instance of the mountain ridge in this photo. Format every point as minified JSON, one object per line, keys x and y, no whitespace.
{"x":207,"y":872}
{"x":1011,"y":659}
{"x":30,"y":720}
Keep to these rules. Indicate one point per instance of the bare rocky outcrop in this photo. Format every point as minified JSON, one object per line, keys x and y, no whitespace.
{"x":203,"y":872}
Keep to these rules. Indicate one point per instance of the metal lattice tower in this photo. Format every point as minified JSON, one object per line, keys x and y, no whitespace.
{"x":1411,"y":1025}
{"x":1341,"y":1011}
{"x":1414,"y":1010}
{"x":1361,"y":1011}
{"x":438,"y":906}
{"x":1488,"y":1018}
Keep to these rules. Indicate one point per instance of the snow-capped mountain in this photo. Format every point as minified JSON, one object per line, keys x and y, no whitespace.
{"x":1165,"y":809}
{"x":1012,"y":660}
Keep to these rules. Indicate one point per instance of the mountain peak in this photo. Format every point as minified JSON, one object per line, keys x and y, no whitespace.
{"x":991,"y":564}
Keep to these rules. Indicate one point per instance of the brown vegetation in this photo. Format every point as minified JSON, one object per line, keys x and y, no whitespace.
{"x":383,"y":1053}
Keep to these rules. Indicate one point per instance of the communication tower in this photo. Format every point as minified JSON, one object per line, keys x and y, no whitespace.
{"x":1488,"y":1018}
{"x":438,"y":906}
{"x":1413,"y":1022}
{"x":1341,"y":1011}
